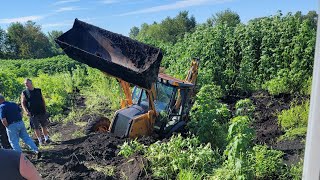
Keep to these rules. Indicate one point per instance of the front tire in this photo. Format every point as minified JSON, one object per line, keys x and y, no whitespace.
{"x":100,"y":124}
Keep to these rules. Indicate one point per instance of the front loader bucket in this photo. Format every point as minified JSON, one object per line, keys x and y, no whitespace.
{"x":117,"y":55}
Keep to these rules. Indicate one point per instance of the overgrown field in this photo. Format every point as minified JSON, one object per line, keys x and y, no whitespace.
{"x":248,"y":121}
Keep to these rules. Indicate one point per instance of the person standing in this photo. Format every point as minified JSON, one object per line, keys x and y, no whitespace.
{"x":15,"y":166}
{"x":11,"y":118}
{"x":34,"y":106}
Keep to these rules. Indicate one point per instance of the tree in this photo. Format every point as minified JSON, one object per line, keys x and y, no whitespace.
{"x":169,"y":30}
{"x":2,"y":43}
{"x":55,"y":48}
{"x":134,"y":31}
{"x":27,"y":41}
{"x":228,"y":17}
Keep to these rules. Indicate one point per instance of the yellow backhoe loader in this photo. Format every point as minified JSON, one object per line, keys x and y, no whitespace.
{"x":158,"y":103}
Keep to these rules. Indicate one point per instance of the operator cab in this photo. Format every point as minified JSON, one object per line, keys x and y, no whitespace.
{"x":170,"y":102}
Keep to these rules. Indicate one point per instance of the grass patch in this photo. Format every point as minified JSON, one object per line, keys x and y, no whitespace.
{"x":47,"y":147}
{"x":81,"y":124}
{"x":106,"y":170}
{"x":78,"y":134}
{"x":294,"y":121}
{"x":56,"y":137}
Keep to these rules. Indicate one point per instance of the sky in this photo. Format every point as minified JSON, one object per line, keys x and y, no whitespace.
{"x":121,"y":15}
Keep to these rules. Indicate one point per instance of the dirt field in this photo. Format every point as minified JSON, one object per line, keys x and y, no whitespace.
{"x":95,"y":156}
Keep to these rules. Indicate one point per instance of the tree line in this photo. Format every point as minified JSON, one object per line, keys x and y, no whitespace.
{"x":25,"y":41}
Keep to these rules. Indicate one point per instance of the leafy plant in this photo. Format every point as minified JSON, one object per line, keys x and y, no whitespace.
{"x":208,"y":116}
{"x":178,"y":154}
{"x":267,"y":163}
{"x":294,"y":121}
{"x":131,"y":147}
{"x":245,"y":107}
{"x":237,"y":164}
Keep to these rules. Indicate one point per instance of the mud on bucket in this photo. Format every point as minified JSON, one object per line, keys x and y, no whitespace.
{"x":115,"y":54}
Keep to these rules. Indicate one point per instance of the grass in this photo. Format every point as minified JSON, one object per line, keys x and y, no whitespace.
{"x":106,"y":170}
{"x":47,"y":147}
{"x":56,"y":137}
{"x":78,"y":134}
{"x":81,"y":124}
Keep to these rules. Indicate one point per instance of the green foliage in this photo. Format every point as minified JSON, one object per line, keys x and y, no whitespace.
{"x":237,"y":164}
{"x":27,"y":41}
{"x":10,"y":87}
{"x":296,"y":170}
{"x":134,"y":31}
{"x":189,"y":175}
{"x":107,"y":92}
{"x":55,"y":48}
{"x":131,"y":147}
{"x":240,"y":137}
{"x":227,"y":17}
{"x":56,"y":90}
{"x":266,"y":163}
{"x":280,"y":84}
{"x":32,"y":67}
{"x":278,"y":50}
{"x":294,"y":121}
{"x":178,"y":154}
{"x":169,"y":30}
{"x":208,"y":116}
{"x":245,"y":107}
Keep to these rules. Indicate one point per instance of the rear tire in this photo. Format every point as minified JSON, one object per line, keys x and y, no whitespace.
{"x":100,"y":124}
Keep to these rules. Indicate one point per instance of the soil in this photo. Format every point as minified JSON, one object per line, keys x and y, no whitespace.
{"x":80,"y":158}
{"x":266,"y":124}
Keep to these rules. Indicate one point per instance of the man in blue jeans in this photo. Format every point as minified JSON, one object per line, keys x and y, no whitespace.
{"x":11,"y":117}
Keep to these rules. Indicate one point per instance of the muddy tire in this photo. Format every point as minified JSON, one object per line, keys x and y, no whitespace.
{"x":99,"y":124}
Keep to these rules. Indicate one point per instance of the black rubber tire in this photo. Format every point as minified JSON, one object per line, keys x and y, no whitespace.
{"x":99,"y":124}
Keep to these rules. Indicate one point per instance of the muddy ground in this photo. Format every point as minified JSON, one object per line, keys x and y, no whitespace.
{"x":89,"y":157}
{"x":95,"y":156}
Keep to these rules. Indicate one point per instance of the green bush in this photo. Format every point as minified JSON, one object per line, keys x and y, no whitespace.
{"x":33,"y":67}
{"x":131,"y":147}
{"x":267,"y":163}
{"x":10,"y":87}
{"x":294,"y":121}
{"x":208,"y":116}
{"x":56,"y":91}
{"x":280,"y":84}
{"x":189,"y":175}
{"x":295,"y":171}
{"x":245,"y":107}
{"x":178,"y":154}
{"x":237,"y":164}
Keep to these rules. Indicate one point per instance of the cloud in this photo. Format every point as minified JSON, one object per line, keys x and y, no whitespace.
{"x":20,"y":19}
{"x":109,"y":1}
{"x":71,"y":8}
{"x":64,"y":2}
{"x":176,"y":5}
{"x":57,"y":24}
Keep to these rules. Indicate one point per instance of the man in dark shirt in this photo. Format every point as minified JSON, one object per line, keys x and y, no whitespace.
{"x":11,"y":118}
{"x":34,"y":106}
{"x":15,"y":166}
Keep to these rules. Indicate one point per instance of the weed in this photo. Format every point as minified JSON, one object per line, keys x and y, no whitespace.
{"x":294,"y":120}
{"x":78,"y":134}
{"x":56,"y":137}
{"x":106,"y":170}
{"x":129,"y":148}
{"x":81,"y":124}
